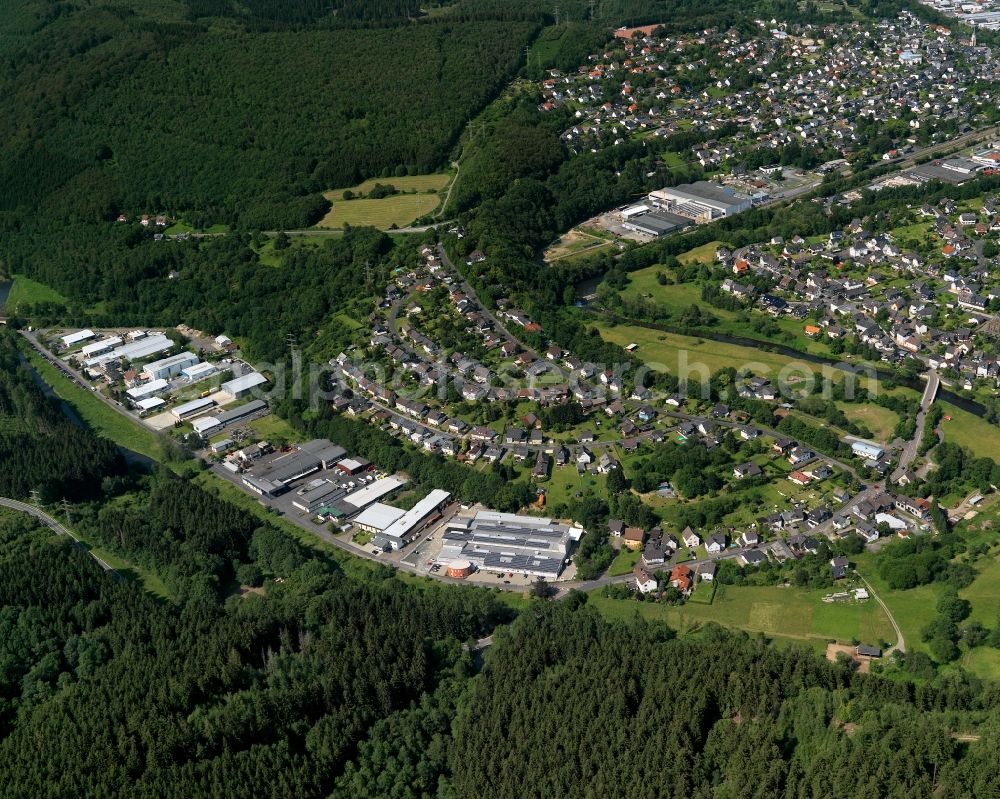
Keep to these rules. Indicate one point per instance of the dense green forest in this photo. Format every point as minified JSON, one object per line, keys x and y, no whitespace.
{"x":104,"y":110}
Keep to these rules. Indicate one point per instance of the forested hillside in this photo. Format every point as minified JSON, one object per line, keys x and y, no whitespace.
{"x":219,"y":284}
{"x":103,"y":110}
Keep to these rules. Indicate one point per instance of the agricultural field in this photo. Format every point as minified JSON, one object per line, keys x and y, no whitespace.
{"x":968,"y":430}
{"x":399,"y":210}
{"x":418,"y":196}
{"x":792,"y":613}
{"x":406,"y":183}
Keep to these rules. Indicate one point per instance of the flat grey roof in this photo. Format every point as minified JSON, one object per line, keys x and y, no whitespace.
{"x":935,"y":172}
{"x":238,"y":413}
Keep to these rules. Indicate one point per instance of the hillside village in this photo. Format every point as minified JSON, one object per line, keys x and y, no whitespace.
{"x":811,"y":95}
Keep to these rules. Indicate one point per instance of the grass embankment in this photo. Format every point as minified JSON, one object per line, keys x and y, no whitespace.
{"x":25,"y":291}
{"x":98,"y":415}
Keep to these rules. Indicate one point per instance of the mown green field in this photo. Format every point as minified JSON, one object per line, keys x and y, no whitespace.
{"x":968,"y":430}
{"x":399,"y":210}
{"x":26,"y":291}
{"x":793,"y":613}
{"x":881,"y":421}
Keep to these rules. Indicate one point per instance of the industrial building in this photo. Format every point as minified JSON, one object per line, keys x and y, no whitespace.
{"x":867,"y":451}
{"x":275,"y":477}
{"x":949,"y":170}
{"x":210,"y":425}
{"x":75,"y":338}
{"x":656,"y":223}
{"x":198,"y":371}
{"x":353,"y":465}
{"x":317,"y":494}
{"x":170,"y":367}
{"x":241,"y":386}
{"x":150,"y":404}
{"x":407,"y":526}
{"x":701,"y":201}
{"x":499,"y":542}
{"x":100,"y":347}
{"x":133,"y":351}
{"x":377,"y":518}
{"x":193,"y":408}
{"x":147,"y":390}
{"x":365,"y":496}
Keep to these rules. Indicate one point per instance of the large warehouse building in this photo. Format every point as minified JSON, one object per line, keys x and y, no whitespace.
{"x":166,"y":368}
{"x":409,"y":525}
{"x":210,"y":425}
{"x":701,"y":201}
{"x":276,"y":477}
{"x":134,"y":351}
{"x":656,"y":223}
{"x":365,"y":496}
{"x":499,"y":542}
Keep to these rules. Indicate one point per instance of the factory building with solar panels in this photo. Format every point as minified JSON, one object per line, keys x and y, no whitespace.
{"x":506,"y":542}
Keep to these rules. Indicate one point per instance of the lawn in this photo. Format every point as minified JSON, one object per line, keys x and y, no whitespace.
{"x":704,"y":254}
{"x":675,"y":298}
{"x":668,"y":351}
{"x":399,"y":210}
{"x":912,"y":608}
{"x":26,"y":291}
{"x":565,"y":482}
{"x":624,"y":562}
{"x":793,"y":613}
{"x":881,"y":421}
{"x":968,"y":430}
{"x":180,"y":226}
{"x":101,"y":418}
